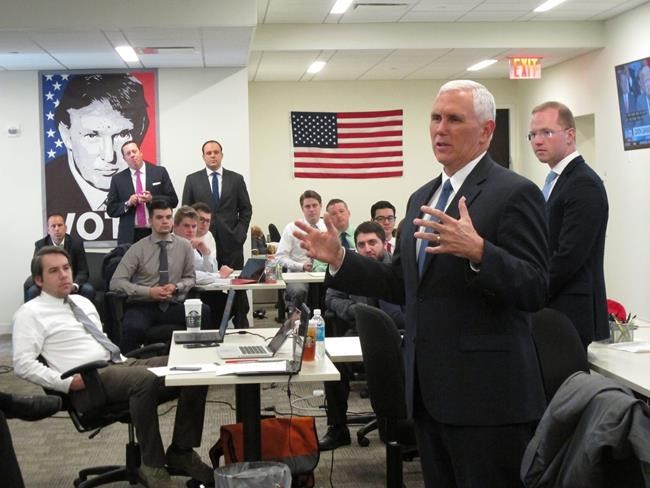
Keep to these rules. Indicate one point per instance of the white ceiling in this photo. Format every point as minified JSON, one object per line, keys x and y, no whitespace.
{"x":278,"y":39}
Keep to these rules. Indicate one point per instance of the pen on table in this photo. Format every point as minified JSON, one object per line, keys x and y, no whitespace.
{"x":185,"y":368}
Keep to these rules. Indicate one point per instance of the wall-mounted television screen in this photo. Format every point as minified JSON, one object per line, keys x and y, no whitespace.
{"x":633,"y":82}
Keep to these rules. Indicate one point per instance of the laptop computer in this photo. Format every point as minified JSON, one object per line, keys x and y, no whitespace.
{"x":252,"y":272}
{"x":287,"y":366}
{"x":208,"y":337}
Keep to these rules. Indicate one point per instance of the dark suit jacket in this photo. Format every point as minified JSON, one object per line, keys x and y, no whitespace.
{"x":230,"y":218}
{"x":75,"y":248}
{"x":63,"y":192}
{"x":157,"y":182}
{"x":467,"y":336}
{"x":577,"y":219}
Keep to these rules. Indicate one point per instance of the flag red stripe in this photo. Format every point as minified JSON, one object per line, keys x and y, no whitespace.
{"x":354,"y":145}
{"x":383,"y":133}
{"x":350,"y":165}
{"x":325,"y":155}
{"x":358,"y":115}
{"x":356,"y":176}
{"x":361,"y":125}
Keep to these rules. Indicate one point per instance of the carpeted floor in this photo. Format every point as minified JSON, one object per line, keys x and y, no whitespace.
{"x":51,"y":451}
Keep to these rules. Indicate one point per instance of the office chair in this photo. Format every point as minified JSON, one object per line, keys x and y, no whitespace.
{"x":559,"y":350}
{"x":382,"y":356}
{"x":102,"y":415}
{"x":274,"y":233}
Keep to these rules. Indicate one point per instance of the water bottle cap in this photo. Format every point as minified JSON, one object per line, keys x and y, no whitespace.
{"x":317,"y":311}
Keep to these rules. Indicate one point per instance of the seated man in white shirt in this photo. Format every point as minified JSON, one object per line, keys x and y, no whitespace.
{"x":206,"y":267}
{"x":203,"y":229}
{"x":66,"y":331}
{"x":290,"y":255}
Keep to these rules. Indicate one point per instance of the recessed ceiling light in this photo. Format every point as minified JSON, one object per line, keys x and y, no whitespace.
{"x":316,"y":66}
{"x":482,"y":64}
{"x":340,"y":6}
{"x":127,"y":53}
{"x":548,"y":5}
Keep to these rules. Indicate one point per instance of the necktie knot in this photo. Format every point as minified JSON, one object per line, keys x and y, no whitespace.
{"x":344,"y":240}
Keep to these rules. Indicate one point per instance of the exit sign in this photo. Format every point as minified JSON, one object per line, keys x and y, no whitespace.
{"x":525,"y":68}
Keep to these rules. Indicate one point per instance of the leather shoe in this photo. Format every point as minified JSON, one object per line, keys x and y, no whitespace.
{"x":35,"y":407}
{"x":189,"y":463}
{"x":336,"y":436}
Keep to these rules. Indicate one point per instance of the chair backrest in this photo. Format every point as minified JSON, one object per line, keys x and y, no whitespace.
{"x":382,"y":357}
{"x":559,"y":349}
{"x":274,"y":233}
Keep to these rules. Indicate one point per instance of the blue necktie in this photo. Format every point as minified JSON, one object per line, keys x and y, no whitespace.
{"x":215,"y":188}
{"x":548,"y":183}
{"x":447,"y":189}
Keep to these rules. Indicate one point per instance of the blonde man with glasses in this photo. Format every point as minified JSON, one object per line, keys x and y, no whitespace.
{"x":577,"y":211}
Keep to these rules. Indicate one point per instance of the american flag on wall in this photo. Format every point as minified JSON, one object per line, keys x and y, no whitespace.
{"x":347,"y":144}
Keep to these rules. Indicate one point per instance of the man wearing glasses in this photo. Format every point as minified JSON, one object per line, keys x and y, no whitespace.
{"x":383,"y":213}
{"x":577,"y":211}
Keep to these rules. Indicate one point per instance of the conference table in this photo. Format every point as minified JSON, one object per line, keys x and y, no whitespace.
{"x":631,"y":369}
{"x":247,"y":388}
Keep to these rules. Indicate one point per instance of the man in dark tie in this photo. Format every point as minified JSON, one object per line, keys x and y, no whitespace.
{"x":66,"y":331}
{"x":370,"y":242}
{"x":57,"y":235}
{"x":156,"y":273}
{"x":577,"y":211}
{"x":225,"y":192}
{"x":472,"y":380}
{"x":383,"y":213}
{"x":339,"y":215}
{"x":132,"y":190}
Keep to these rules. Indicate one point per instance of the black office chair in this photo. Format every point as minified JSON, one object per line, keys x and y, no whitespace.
{"x":559,"y":350}
{"x":274,"y":233}
{"x":102,"y":415}
{"x":382,"y":357}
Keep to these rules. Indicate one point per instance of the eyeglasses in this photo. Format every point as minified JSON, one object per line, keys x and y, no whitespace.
{"x":203,"y":220}
{"x":546,"y":133}
{"x":381,"y":220}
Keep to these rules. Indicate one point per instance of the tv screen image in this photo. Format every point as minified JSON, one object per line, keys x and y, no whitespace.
{"x":633,"y":83}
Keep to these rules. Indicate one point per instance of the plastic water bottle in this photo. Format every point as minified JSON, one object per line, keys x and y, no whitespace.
{"x":320,"y":334}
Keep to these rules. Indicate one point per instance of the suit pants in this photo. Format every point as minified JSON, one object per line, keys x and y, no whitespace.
{"x":141,"y":316}
{"x":11,"y":475}
{"x":131,"y":381}
{"x":469,"y":456}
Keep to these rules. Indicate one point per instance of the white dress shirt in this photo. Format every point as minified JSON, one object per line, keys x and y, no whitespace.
{"x":46,"y":326}
{"x":289,"y":252}
{"x":219,"y":178}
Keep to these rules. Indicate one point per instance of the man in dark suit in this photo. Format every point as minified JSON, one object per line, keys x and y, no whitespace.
{"x":226,"y":194}
{"x":230,"y":204}
{"x":473,"y":383}
{"x":577,"y":211}
{"x":57,"y":236}
{"x":132,"y":190}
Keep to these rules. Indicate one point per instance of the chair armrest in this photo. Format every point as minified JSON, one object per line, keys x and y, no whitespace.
{"x":85,"y":368}
{"x":150,"y":350}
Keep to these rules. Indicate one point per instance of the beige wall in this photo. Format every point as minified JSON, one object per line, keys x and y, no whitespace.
{"x":275,"y":191}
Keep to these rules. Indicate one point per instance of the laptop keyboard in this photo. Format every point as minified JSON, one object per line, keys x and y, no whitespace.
{"x":252,"y":349}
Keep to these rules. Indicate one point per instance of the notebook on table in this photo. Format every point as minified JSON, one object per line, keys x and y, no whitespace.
{"x":252,"y":272}
{"x":288,"y":366}
{"x":208,"y":336}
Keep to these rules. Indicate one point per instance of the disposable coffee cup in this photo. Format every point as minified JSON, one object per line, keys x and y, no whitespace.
{"x":193,"y":314}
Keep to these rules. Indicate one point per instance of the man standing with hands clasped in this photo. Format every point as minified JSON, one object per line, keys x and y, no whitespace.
{"x":577,"y":211}
{"x":473,"y":265}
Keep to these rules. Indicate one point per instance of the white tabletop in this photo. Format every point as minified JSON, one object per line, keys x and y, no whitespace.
{"x":304,"y":277}
{"x":631,"y":369}
{"x":344,"y":349}
{"x":319,"y":370}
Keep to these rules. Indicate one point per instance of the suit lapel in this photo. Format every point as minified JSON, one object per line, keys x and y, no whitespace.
{"x":470,"y":189}
{"x":563,"y":178}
